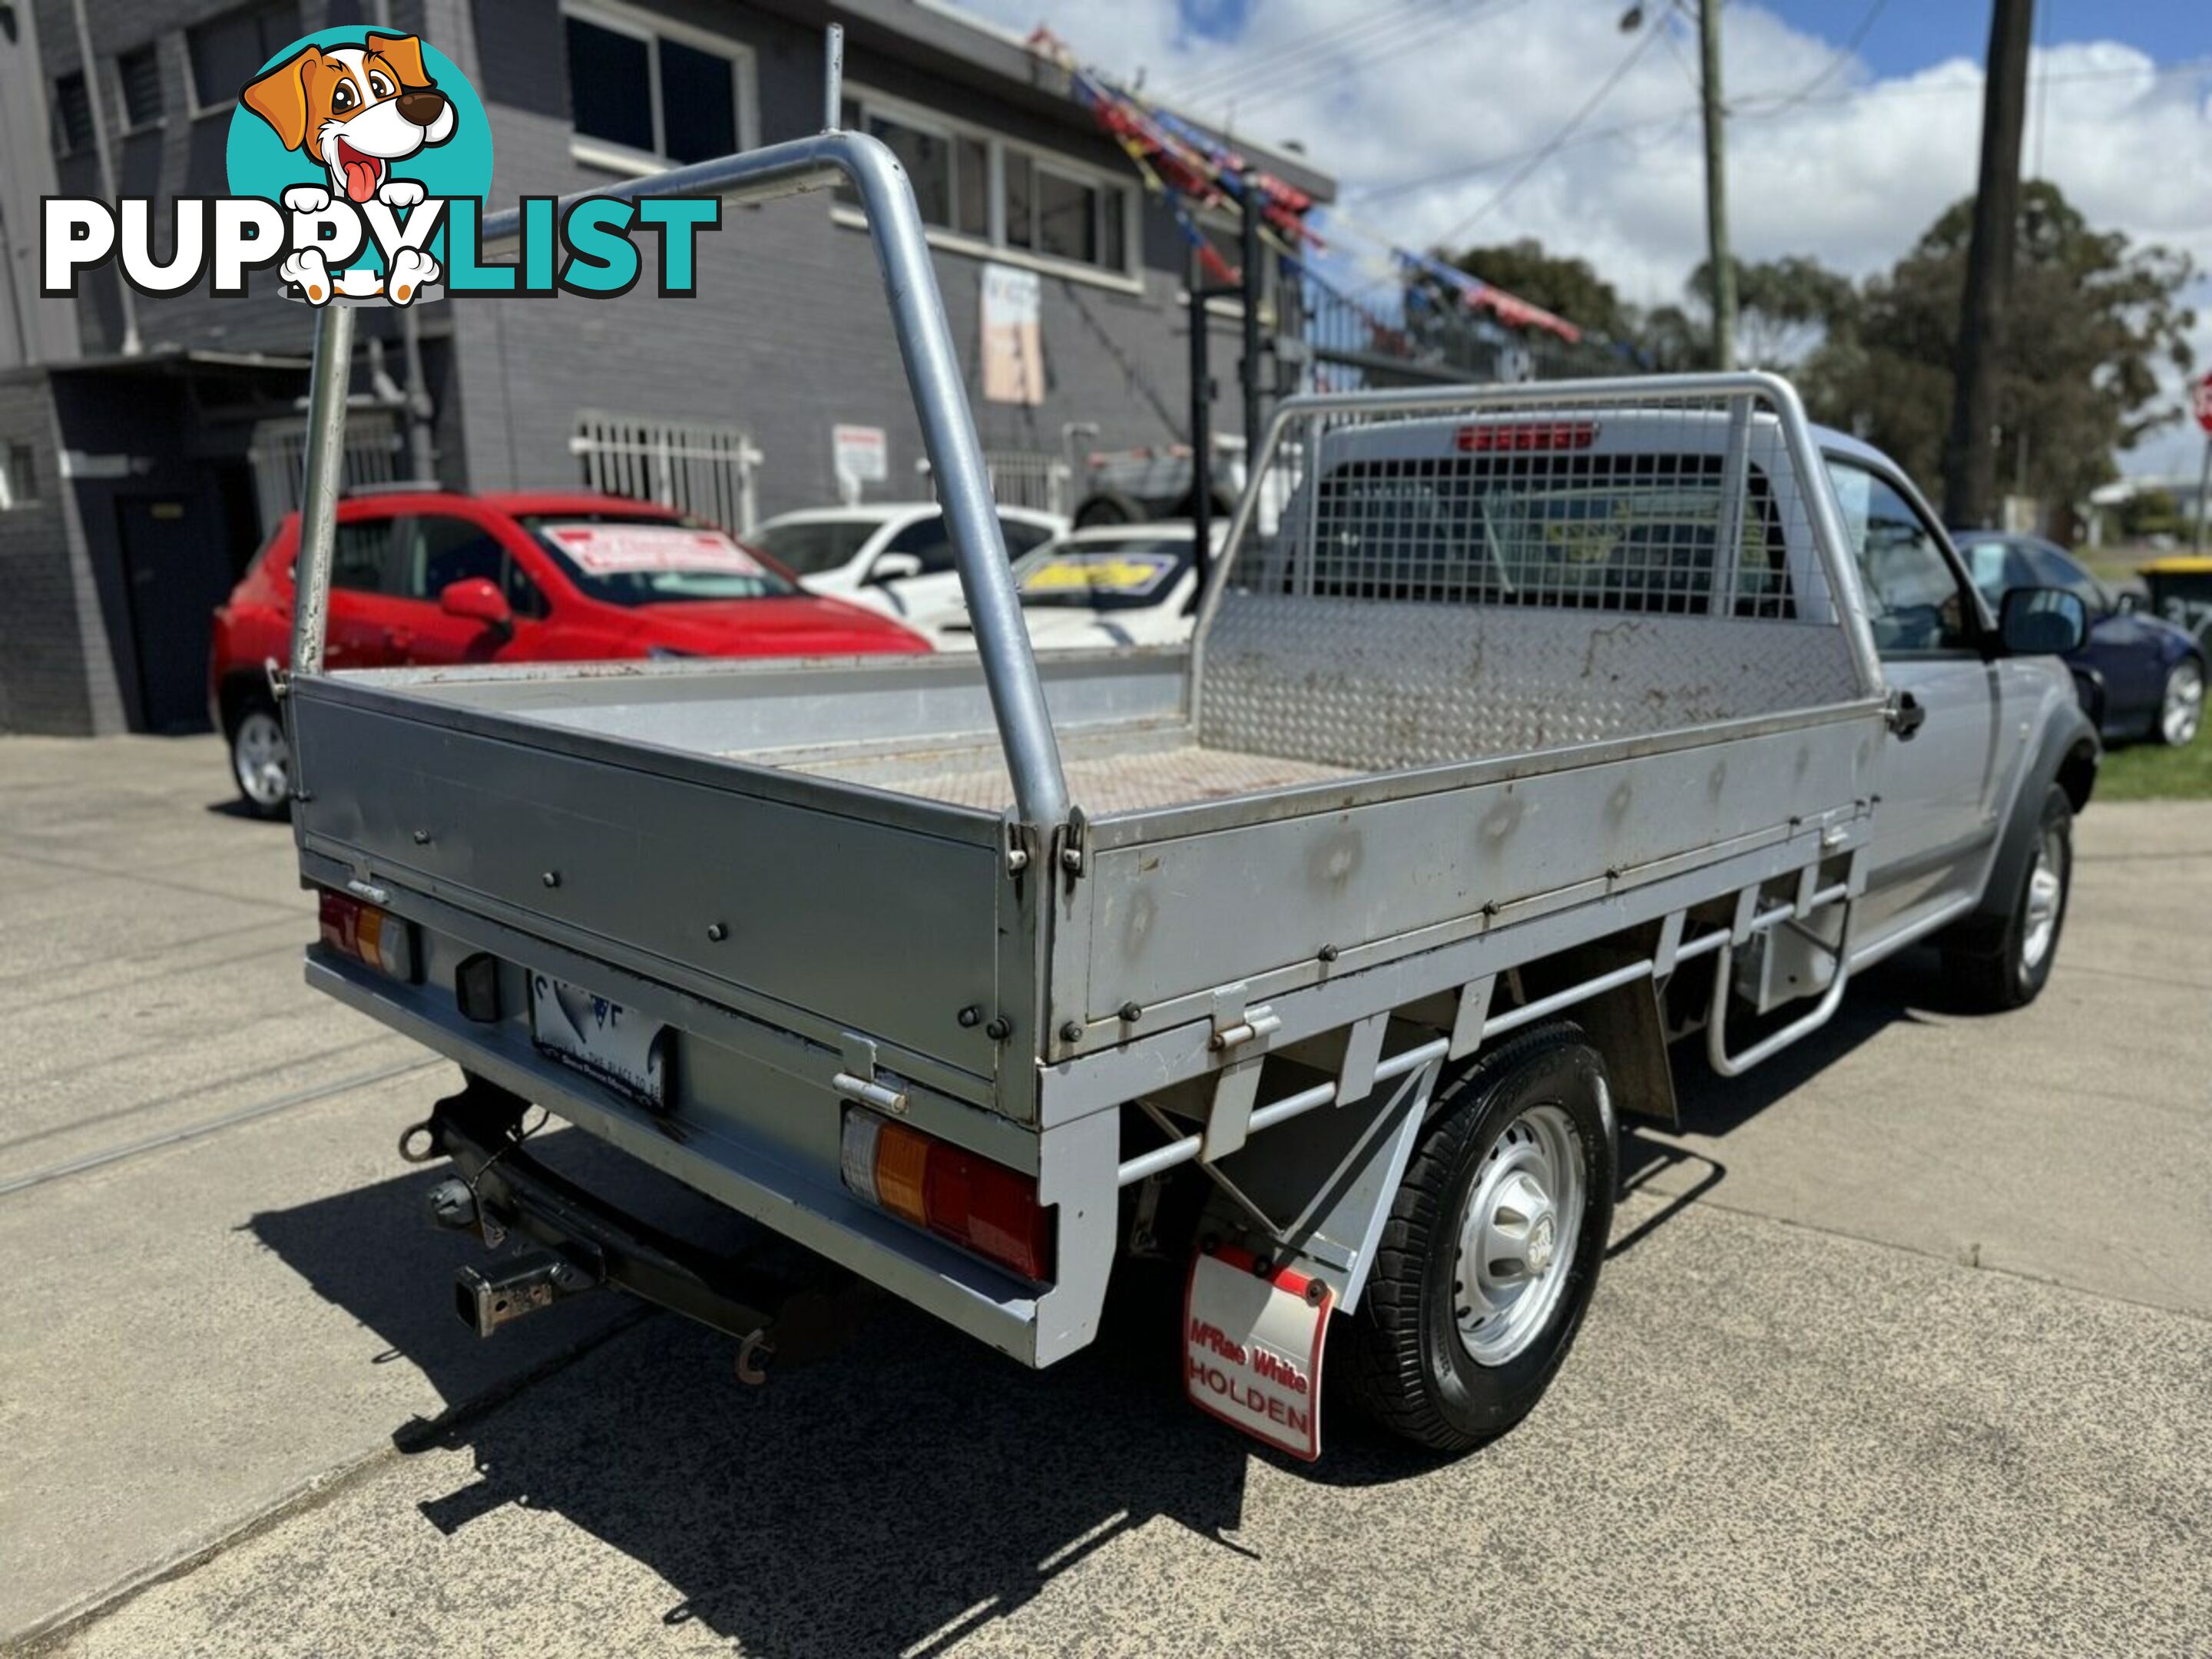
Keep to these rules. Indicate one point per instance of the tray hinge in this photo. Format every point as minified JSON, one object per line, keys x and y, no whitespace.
{"x":1072,"y":840}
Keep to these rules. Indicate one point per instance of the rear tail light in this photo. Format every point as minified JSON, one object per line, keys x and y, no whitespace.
{"x":368,"y":935}
{"x":979,"y":1205}
{"x":1516,"y":436}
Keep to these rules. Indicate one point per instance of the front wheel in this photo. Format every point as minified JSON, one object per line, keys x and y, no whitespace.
{"x":261,"y":761}
{"x":2181,"y":711}
{"x":2015,"y":975}
{"x":1492,"y":1246}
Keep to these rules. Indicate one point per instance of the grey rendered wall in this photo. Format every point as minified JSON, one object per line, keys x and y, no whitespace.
{"x":54,"y":671}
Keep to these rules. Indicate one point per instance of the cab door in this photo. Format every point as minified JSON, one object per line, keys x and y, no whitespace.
{"x":362,"y":590}
{"x":1945,"y":758}
{"x":432,"y":551}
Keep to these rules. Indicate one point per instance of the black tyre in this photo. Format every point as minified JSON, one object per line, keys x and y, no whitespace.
{"x":260,"y":761}
{"x":1110,"y":508}
{"x":1493,"y":1245}
{"x":2015,"y":974}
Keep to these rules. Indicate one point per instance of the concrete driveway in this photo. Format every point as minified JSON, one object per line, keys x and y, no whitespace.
{"x":1905,"y":1345}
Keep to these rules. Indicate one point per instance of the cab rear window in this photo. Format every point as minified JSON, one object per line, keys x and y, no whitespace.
{"x":1614,"y":533}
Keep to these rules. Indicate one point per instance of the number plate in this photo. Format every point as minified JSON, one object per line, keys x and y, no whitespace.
{"x":616,"y":1045}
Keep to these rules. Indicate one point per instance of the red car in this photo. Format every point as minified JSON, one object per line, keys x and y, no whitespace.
{"x":431,"y":576}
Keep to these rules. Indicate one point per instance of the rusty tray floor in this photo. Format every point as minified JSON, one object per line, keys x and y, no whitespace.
{"x":1133,"y":782}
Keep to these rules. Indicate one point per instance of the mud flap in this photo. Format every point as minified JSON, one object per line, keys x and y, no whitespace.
{"x":1252,"y":1347}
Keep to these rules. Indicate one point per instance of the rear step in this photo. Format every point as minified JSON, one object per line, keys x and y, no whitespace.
{"x":501,"y":1189}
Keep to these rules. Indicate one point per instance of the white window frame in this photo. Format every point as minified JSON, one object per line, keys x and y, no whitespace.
{"x":123,"y":126}
{"x":193,"y":108}
{"x":651,"y":27}
{"x":9,"y":502}
{"x":1128,"y":279}
{"x":64,"y":149}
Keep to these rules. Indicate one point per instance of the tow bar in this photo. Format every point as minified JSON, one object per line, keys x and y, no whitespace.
{"x":501,"y":1190}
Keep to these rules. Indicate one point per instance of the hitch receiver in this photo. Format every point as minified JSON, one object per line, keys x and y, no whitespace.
{"x":515,"y":1290}
{"x":500,"y":1191}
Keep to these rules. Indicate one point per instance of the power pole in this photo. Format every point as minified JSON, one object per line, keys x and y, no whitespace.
{"x":1717,"y":229}
{"x":1970,"y":458}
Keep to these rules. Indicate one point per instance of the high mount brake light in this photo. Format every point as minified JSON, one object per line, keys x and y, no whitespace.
{"x":979,"y":1205}
{"x":382,"y":940}
{"x":1492,"y":437}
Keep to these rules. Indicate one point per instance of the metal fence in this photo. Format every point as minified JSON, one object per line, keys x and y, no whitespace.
{"x":1022,"y":478}
{"x":373,"y":454}
{"x":697,"y":467}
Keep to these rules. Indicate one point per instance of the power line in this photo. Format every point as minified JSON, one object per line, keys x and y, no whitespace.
{"x":1240,"y":69}
{"x":1755,"y":106}
{"x":1605,"y":89}
{"x":1324,"y":60}
{"x":1844,"y":54}
{"x":1332,"y":70}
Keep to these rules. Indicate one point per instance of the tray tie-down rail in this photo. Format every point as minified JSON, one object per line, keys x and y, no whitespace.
{"x":501,"y":1189}
{"x":1475,"y":1025}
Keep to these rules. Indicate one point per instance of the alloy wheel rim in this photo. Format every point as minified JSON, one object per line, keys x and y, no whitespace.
{"x":2185,"y":705}
{"x":2046,"y":888}
{"x":259,"y":757}
{"x":1518,"y":1236}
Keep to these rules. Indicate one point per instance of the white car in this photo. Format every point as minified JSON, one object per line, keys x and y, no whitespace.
{"x":1131,"y":584}
{"x":895,"y":558}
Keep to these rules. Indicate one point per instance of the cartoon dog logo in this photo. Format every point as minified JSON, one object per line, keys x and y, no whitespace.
{"x":356,"y":110}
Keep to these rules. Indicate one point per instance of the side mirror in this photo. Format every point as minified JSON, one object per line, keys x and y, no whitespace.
{"x":2042,"y":622}
{"x":476,"y":598}
{"x":893,"y":567}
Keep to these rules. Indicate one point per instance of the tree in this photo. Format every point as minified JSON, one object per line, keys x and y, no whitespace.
{"x":2094,"y":319}
{"x":1786,"y":308}
{"x":1565,"y":286}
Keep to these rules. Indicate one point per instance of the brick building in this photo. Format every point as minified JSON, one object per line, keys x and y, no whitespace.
{"x":134,"y":483}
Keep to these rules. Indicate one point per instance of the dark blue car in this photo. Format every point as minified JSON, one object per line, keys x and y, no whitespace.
{"x":2139,"y":675}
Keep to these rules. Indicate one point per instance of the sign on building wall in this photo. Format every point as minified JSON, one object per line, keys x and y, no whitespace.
{"x":861,"y":455}
{"x":1013,"y":335}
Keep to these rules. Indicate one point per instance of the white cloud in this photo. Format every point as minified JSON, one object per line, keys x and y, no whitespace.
{"x":1460,"y":91}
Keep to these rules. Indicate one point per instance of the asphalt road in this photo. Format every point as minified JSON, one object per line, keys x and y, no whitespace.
{"x":1905,"y":1346}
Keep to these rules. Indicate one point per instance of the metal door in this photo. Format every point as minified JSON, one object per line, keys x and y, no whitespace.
{"x":1941,"y":768}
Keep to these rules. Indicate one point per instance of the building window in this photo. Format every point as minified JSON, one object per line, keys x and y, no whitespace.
{"x":138,"y":73}
{"x":976,"y":186}
{"x":228,"y":51}
{"x":19,"y":477}
{"x":646,"y":91}
{"x":1066,"y":217}
{"x":72,"y":114}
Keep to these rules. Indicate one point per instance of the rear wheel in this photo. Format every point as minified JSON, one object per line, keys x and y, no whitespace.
{"x":2181,"y":711}
{"x":261,"y":761}
{"x":2015,"y":975}
{"x":1493,"y":1245}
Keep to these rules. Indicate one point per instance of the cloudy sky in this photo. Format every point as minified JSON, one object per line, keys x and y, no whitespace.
{"x":1854,"y":122}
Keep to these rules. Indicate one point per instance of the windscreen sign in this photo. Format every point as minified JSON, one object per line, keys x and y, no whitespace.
{"x":358,"y":163}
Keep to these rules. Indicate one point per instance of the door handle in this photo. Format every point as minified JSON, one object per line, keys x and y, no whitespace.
{"x":400,"y":639}
{"x":1906,"y":715}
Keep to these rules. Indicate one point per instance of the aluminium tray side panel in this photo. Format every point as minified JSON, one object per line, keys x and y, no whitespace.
{"x":887,"y":931}
{"x":1357,"y":683}
{"x":1169,"y":920}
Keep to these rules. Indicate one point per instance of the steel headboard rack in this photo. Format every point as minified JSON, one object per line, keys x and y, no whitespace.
{"x":1299,"y":422}
{"x":933,"y":370}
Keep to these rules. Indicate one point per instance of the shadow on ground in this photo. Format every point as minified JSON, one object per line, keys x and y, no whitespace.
{"x":913,"y":1488}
